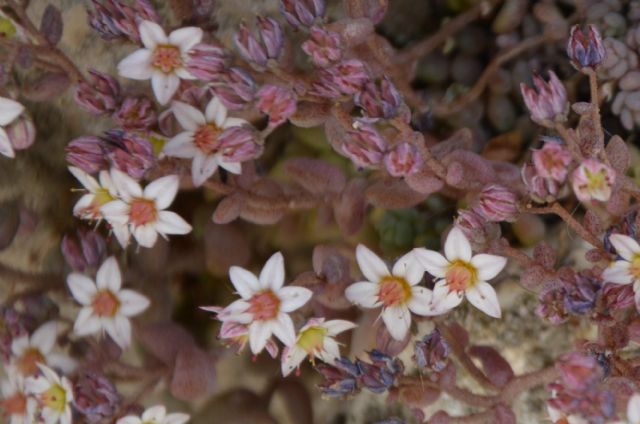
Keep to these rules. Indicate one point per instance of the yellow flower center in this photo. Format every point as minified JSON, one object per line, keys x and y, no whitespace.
{"x":394,"y":291}
{"x":596,"y":181}
{"x":167,"y":58}
{"x":28,"y":362}
{"x":264,"y":306}
{"x":55,"y":398}
{"x":105,"y":304}
{"x":634,"y":268}
{"x":312,"y":339}
{"x":142,"y":211}
{"x":461,"y":275}
{"x":206,"y":138}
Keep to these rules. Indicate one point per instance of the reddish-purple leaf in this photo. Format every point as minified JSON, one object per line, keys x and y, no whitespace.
{"x":495,"y":367}
{"x":164,"y":339}
{"x":194,"y":373}
{"x":545,"y":255}
{"x":393,"y":193}
{"x":310,"y":114}
{"x":224,"y":246}
{"x":228,"y":209}
{"x":315,"y":176}
{"x":51,"y":24}
{"x":504,"y":414}
{"x":47,"y":87}
{"x":349,"y":209}
{"x":618,"y":154}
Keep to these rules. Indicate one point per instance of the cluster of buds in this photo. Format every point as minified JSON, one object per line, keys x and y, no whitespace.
{"x":548,"y":105}
{"x":496,"y":203}
{"x":100,"y":95}
{"x":478,"y":230}
{"x":432,"y":352}
{"x":346,"y":377}
{"x":88,"y":154}
{"x":235,"y":87}
{"x":380,"y":100}
{"x":96,"y":397}
{"x":593,"y":180}
{"x":114,"y":19}
{"x":278,"y":102}
{"x":268,"y":45}
{"x":545,"y":178}
{"x":136,"y":113}
{"x":206,"y":62}
{"x":86,"y":251}
{"x":302,"y":13}
{"x":324,"y":47}
{"x":344,"y":79}
{"x":585,"y":51}
{"x":573,"y":293}
{"x":402,"y":160}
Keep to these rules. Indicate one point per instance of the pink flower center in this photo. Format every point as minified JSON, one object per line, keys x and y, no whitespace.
{"x":206,"y":138}
{"x":105,"y":304}
{"x":142,"y":211}
{"x":15,"y":405}
{"x":394,"y":291}
{"x":28,"y":362}
{"x":167,"y":58}
{"x":264,"y":306}
{"x":460,"y":276}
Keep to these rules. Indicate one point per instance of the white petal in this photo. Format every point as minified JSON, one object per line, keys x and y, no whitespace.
{"x":216,"y":112}
{"x":283,"y":329}
{"x":293,"y":297}
{"x":633,"y":409}
{"x":176,"y":418}
{"x":259,"y":333}
{"x":181,"y":146}
{"x":146,"y":235}
{"x":86,"y":323}
{"x":363,"y":294}
{"x":233,"y":167}
{"x":44,"y":338}
{"x":371,"y":266}
{"x":129,"y":419}
{"x":183,"y":73}
{"x":152,"y":34}
{"x":202,"y":168}
{"x":163,"y":190}
{"x":108,"y":276}
{"x":398,"y":320}
{"x":116,"y":212}
{"x":409,"y":268}
{"x":625,"y":246}
{"x":420,"y":300}
{"x":291,"y":359}
{"x":443,"y":300}
{"x":82,"y":209}
{"x":433,"y":262}
{"x":122,"y":234}
{"x":19,"y":345}
{"x":62,"y":362}
{"x":85,"y":179}
{"x":488,"y":266}
{"x":618,"y":273}
{"x":37,"y":385}
{"x":6,"y":148}
{"x":82,"y":288}
{"x":132,"y":303}
{"x":457,"y":246}
{"x":154,"y":413}
{"x":137,"y":65}
{"x":127,"y":187}
{"x":164,"y":86}
{"x":234,"y":122}
{"x":171,"y":223}
{"x":272,"y":274}
{"x":330,"y":351}
{"x":483,"y":296}
{"x":188,"y":116}
{"x":236,"y":311}
{"x":245,"y":283}
{"x":120,"y":330}
{"x":185,"y":38}
{"x":9,"y":110}
{"x":337,"y":326}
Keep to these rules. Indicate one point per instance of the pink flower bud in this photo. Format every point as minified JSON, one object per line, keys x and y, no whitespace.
{"x":113,"y":19}
{"x":206,"y":62}
{"x":404,"y":159}
{"x":277,"y":102}
{"x":497,"y":203}
{"x":345,"y":78}
{"x":129,"y":152}
{"x":235,"y":88}
{"x":379,"y":100}
{"x":578,"y":371}
{"x":21,"y":132}
{"x":302,"y":12}
{"x":366,"y":147}
{"x":585,"y":51}
{"x":88,"y":154}
{"x":552,"y":161}
{"x":324,"y":47}
{"x":549,"y":104}
{"x":240,"y":144}
{"x":476,"y":228}
{"x":249,"y":47}
{"x":85,"y":251}
{"x":136,"y":113}
{"x":96,"y":397}
{"x":593,"y":180}
{"x":271,"y":35}
{"x":542,"y":190}
{"x":100,"y":96}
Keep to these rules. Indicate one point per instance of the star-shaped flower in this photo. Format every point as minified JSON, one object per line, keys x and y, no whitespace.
{"x":155,"y":415}
{"x":105,"y":305}
{"x":16,"y":402}
{"x":162,"y":59}
{"x":29,"y":351}
{"x":397,"y":291}
{"x":9,"y":111}
{"x":461,"y":275}
{"x":627,"y":269}
{"x":99,"y":194}
{"x":54,"y":395}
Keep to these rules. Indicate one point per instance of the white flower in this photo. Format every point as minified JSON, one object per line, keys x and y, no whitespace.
{"x":626,"y":270}
{"x":106,"y":306}
{"x":397,"y":291}
{"x":19,"y":405}
{"x":28,"y":351}
{"x":200,"y":138}
{"x":315,"y":339}
{"x":155,"y":415}
{"x":141,"y":212}
{"x":559,"y":417}
{"x":461,"y":275}
{"x":9,"y":111}
{"x":633,"y":409}
{"x":99,"y":194}
{"x":265,"y":304}
{"x":54,"y":395}
{"x":162,"y":59}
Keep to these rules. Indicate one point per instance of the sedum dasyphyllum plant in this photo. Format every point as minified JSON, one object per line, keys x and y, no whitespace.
{"x":254,"y":192}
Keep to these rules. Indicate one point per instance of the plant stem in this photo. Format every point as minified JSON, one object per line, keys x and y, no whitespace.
{"x":558,"y":209}
{"x":595,"y":114}
{"x":571,"y":141}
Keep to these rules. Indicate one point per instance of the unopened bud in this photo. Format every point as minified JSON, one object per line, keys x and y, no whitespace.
{"x":380,"y":100}
{"x":136,"y":113}
{"x":324,"y":47}
{"x":302,"y":12}
{"x":366,"y":146}
{"x":549,"y":103}
{"x":99,"y":95}
{"x":585,"y":51}
{"x":497,"y":203}
{"x":206,"y":62}
{"x":88,"y":154}
{"x":404,"y":159}
{"x":277,"y":102}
